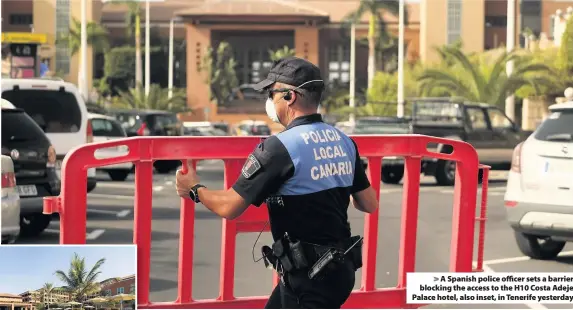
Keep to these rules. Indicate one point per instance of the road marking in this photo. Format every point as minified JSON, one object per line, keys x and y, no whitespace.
{"x":169,"y":183}
{"x":123,"y":213}
{"x":517,"y":259}
{"x":129,"y":185}
{"x":95,"y":234}
{"x":90,"y":236}
{"x":110,"y":196}
{"x":158,"y":188}
{"x":492,"y":190}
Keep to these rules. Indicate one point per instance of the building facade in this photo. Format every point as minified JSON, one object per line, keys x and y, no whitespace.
{"x":313,"y":28}
{"x":58,"y":295}
{"x":125,"y":285}
{"x":14,"y":302}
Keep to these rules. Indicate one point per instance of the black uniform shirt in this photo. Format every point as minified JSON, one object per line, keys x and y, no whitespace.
{"x":306,"y":174}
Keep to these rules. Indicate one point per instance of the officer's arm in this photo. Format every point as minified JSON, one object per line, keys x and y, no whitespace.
{"x":363,"y":195}
{"x":265,"y":170}
{"x":225,"y":203}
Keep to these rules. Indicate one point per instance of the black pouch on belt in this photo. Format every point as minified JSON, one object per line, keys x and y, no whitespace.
{"x":355,"y":254}
{"x":280,"y":249}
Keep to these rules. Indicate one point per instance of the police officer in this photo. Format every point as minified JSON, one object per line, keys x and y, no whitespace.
{"x":306,"y":174}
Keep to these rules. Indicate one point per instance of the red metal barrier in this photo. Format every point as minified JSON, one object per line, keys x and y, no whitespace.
{"x":71,"y":204}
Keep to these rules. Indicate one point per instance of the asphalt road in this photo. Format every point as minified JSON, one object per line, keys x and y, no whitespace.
{"x":110,"y":221}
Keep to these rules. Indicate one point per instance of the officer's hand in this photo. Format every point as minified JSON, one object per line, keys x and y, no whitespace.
{"x":184,"y":182}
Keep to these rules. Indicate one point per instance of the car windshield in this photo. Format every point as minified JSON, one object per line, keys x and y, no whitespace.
{"x":45,"y":108}
{"x":105,"y":128}
{"x":437,"y":111}
{"x":557,"y":127}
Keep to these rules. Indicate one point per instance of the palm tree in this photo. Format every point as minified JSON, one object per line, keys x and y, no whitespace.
{"x":481,"y":80}
{"x":133,"y":21}
{"x":47,"y":291}
{"x":281,"y":53}
{"x":79,"y":281}
{"x":156,"y":100}
{"x":376,"y":26}
{"x":97,"y":37}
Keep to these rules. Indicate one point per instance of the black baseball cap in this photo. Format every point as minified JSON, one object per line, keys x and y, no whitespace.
{"x":292,"y":71}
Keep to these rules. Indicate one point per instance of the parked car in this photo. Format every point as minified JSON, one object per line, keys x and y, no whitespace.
{"x":106,"y":128}
{"x":34,"y":162}
{"x":485,"y":127}
{"x":392,"y":166}
{"x":202,"y":129}
{"x":151,"y":123}
{"x":539,"y":193}
{"x":57,"y":107}
{"x":252,"y":128}
{"x":10,"y":225}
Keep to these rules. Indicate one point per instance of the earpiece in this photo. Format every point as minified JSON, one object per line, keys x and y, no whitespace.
{"x":287,"y":96}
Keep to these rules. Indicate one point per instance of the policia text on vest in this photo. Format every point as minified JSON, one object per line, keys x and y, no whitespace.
{"x":324,"y":151}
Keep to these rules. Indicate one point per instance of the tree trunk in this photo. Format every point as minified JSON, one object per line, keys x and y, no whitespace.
{"x":371,"y":50}
{"x":138,"y":64}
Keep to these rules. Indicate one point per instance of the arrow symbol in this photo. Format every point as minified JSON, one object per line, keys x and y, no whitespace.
{"x":436,"y":279}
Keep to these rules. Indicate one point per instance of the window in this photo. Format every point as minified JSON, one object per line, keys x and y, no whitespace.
{"x":21,"y":19}
{"x":498,"y":119}
{"x":454,"y":20}
{"x":120,"y":290}
{"x":496,"y":21}
{"x":557,"y":127}
{"x":62,"y":28}
{"x":477,"y":118}
{"x":46,"y":108}
{"x":132,"y":289}
{"x":339,"y":63}
{"x":551,"y":26}
{"x":107,"y":293}
{"x":106,"y":128}
{"x":17,"y":126}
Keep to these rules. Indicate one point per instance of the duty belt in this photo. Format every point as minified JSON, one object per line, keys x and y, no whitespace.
{"x":287,"y":255}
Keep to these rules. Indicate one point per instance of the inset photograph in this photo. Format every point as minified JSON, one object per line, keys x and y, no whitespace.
{"x":62,"y":277}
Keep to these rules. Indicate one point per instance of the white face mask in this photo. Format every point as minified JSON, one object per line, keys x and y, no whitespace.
{"x":271,"y":111}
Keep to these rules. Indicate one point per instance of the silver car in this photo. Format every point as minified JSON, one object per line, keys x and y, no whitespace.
{"x":10,"y":224}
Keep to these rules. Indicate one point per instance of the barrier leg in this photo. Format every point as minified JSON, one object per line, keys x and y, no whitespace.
{"x":463,"y":218}
{"x":371,"y":229}
{"x":186,"y":241}
{"x":229,"y":238}
{"x":409,"y":225}
{"x":73,"y":209}
{"x":142,"y":226}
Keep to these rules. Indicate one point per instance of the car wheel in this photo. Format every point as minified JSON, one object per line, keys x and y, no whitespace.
{"x":32,"y":225}
{"x":538,"y":247}
{"x":445,"y":172}
{"x":118,"y":175}
{"x":392,"y":175}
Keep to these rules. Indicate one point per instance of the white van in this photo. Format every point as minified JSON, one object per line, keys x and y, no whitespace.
{"x":58,"y":109}
{"x":106,"y":128}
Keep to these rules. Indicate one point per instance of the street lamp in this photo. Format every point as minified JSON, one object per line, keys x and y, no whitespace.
{"x":170,"y":78}
{"x":147,"y":49}
{"x":83,"y":72}
{"x":510,"y":100}
{"x":400,"y":110}
{"x":352,"y":90}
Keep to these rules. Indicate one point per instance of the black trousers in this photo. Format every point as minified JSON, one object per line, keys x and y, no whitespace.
{"x":300,"y":292}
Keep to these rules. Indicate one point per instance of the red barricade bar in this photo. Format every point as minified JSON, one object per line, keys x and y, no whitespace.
{"x":71,"y":204}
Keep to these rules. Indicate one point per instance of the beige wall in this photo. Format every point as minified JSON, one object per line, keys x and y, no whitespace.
{"x":75,"y":12}
{"x":434,"y":26}
{"x":198,"y":40}
{"x":306,"y":43}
